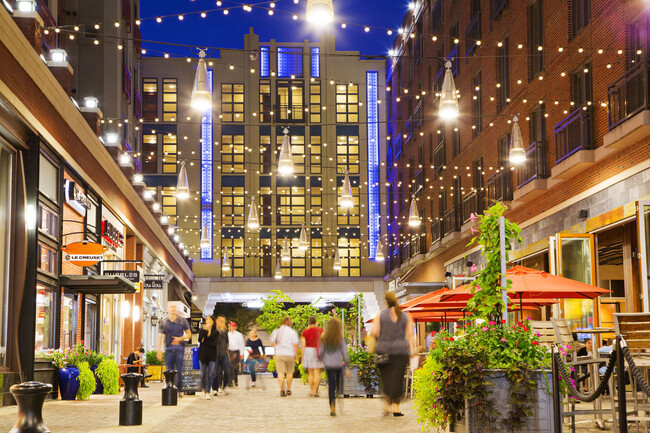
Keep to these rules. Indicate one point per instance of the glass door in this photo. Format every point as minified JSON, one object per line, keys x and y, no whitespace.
{"x":643,"y":218}
{"x":90,"y":325}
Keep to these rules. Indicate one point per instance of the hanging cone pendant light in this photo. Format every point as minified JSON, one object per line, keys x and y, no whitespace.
{"x":379,"y":256}
{"x":182,"y":187}
{"x":205,"y":242}
{"x":302,"y":243}
{"x":225,"y":264}
{"x":286,"y":253}
{"x":278,"y":270}
{"x":285,"y":162}
{"x":253,"y":218}
{"x":346,"y":192}
{"x":337,"y":260}
{"x":320,"y":11}
{"x":201,"y":97}
{"x":414,"y":215}
{"x":517,"y":150}
{"x":448,"y":108}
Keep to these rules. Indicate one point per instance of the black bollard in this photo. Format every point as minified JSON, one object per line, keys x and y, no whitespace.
{"x":170,"y":392}
{"x":131,"y":405}
{"x":30,"y":397}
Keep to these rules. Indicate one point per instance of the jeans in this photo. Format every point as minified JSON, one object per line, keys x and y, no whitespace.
{"x":174,"y":361}
{"x":222,"y":372}
{"x":251,"y":365}
{"x":207,"y":375}
{"x":333,"y":382}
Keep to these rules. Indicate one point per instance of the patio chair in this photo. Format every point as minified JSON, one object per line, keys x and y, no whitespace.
{"x":635,"y":330}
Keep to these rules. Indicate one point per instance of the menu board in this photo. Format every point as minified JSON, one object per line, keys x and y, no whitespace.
{"x":191,"y":378}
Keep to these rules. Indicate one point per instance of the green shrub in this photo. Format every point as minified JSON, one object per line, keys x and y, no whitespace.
{"x":86,"y":380}
{"x":151,"y":357}
{"x":109,"y":374}
{"x":271,"y":367}
{"x":94,"y":358}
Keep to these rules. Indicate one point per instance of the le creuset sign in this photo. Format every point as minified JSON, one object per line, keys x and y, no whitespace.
{"x":75,"y":197}
{"x":84,"y":253}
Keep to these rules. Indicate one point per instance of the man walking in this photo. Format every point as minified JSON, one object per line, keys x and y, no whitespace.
{"x":285,"y":342}
{"x":175,"y":331}
{"x":236,"y":346}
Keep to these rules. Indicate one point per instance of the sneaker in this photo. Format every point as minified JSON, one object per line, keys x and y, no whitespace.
{"x":253,"y":385}
{"x":215,"y":393}
{"x":207,"y":397}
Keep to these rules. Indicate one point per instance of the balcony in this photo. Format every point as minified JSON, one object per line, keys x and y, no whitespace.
{"x":628,"y":100}
{"x":439,"y":160}
{"x":397,"y":147}
{"x":499,"y":187}
{"x":405,"y":252}
{"x":418,"y":245}
{"x":532,"y":176}
{"x":127,"y":84}
{"x":451,"y":221}
{"x":471,"y":203}
{"x":573,"y":144}
{"x":473,"y":34}
{"x":436,"y":231}
{"x":290,"y":113}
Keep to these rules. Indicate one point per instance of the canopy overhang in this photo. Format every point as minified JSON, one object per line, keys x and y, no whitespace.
{"x":97,"y":284}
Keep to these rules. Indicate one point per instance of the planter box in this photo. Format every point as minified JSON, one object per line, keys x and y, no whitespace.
{"x":542,"y":408}
{"x":46,"y":372}
{"x":156,"y":372}
{"x":352,"y":386}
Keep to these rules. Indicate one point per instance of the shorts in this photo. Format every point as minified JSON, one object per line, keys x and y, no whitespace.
{"x":285,"y":364}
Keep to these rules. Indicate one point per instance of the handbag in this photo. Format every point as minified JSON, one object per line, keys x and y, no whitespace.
{"x":371,"y":343}
{"x":382,"y":359}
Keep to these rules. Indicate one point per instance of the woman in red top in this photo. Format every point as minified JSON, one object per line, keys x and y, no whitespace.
{"x":310,"y":339}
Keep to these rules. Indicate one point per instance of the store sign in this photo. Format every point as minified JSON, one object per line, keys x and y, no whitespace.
{"x":132,"y":276}
{"x":75,"y":197}
{"x":84,"y":253}
{"x":112,"y":235}
{"x":153,"y":284}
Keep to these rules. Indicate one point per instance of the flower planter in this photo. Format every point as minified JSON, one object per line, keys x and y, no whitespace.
{"x":542,"y":409}
{"x":69,"y":382}
{"x":156,"y":372}
{"x":99,"y":387}
{"x":353,"y":387}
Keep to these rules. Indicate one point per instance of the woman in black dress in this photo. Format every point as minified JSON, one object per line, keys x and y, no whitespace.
{"x":207,"y":354}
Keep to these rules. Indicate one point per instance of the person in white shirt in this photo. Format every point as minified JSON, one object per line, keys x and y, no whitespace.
{"x":285,"y":343}
{"x":236,"y":346}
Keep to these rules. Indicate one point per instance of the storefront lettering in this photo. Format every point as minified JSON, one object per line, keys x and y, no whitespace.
{"x":76,"y":198}
{"x":112,"y":235}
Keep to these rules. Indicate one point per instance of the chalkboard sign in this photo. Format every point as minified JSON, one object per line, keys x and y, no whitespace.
{"x":191,"y":378}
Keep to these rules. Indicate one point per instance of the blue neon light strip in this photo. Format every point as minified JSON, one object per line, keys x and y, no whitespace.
{"x":206,"y":175}
{"x":289,"y":62}
{"x":315,"y":62}
{"x":372,"y":79}
{"x":265,"y":61}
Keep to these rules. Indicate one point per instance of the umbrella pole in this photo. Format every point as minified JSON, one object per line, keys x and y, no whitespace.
{"x":521,"y":308}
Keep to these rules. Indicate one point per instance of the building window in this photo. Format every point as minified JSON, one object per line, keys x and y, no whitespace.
{"x":536,"y":38}
{"x":637,"y":42}
{"x":290,"y":100}
{"x":290,"y":196}
{"x":582,"y":85}
{"x":315,"y":62}
{"x":479,"y":184}
{"x":150,"y":98}
{"x":232,"y":102}
{"x":503,"y":148}
{"x":437,"y":16}
{"x":580,"y":16}
{"x":48,"y":222}
{"x":347,"y":154}
{"x":169,"y":203}
{"x":297,"y":150}
{"x":45,"y":318}
{"x":69,"y":305}
{"x":170,"y":99}
{"x":315,"y":155}
{"x":496,"y":8}
{"x":48,"y":259}
{"x":265,"y":61}
{"x":169,"y":162}
{"x":149,"y":153}
{"x":315,"y":101}
{"x":266,"y":105}
{"x":537,"y":125}
{"x":267,"y":262}
{"x":349,"y":216}
{"x":297,"y":266}
{"x":347,"y":103}
{"x":232,"y":154}
{"x":503,"y":75}
{"x":266,"y":155}
{"x":316,"y":252}
{"x":265,"y":201}
{"x":350,"y":252}
{"x":233,"y":241}
{"x":477,"y":111}
{"x":455,"y":141}
{"x":289,"y":62}
{"x":315,"y":201}
{"x":232,"y":202}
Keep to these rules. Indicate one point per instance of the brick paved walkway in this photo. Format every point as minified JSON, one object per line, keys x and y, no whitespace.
{"x":244,"y":410}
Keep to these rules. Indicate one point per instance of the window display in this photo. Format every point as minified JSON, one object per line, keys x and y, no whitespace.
{"x":44,"y":318}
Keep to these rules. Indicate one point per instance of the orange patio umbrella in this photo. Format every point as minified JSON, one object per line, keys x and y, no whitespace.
{"x":429,"y":296}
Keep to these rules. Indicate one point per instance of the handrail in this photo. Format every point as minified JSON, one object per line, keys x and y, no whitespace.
{"x":628,"y":94}
{"x":535,"y":165}
{"x":574,"y":133}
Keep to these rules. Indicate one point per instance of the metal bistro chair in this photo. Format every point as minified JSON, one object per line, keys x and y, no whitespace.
{"x":591,"y":365}
{"x":634,"y":328}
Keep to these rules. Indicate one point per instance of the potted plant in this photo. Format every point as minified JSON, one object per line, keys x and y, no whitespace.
{"x":364,"y":377}
{"x":94,"y":358}
{"x":271,"y":367}
{"x":86,"y":380}
{"x":490,"y":376}
{"x":155,"y":367}
{"x":109,"y":375}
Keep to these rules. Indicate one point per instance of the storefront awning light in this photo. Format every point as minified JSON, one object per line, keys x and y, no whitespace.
{"x":414,"y":215}
{"x":286,"y":252}
{"x":337,"y":260}
{"x":347,"y":200}
{"x":182,"y":186}
{"x":303,"y":244}
{"x":517,"y":149}
{"x":253,"y":218}
{"x":320,"y":12}
{"x":91,"y":102}
{"x":448,"y":108}
{"x":278,"y":270}
{"x":58,"y":55}
{"x":112,"y":138}
{"x":225,"y":264}
{"x":380,"y":253}
{"x":201,"y":97}
{"x":285,"y":162}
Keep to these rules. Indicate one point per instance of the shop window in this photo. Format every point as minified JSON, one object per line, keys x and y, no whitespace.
{"x":347,"y":154}
{"x":234,"y":242}
{"x":266,"y":104}
{"x":48,"y":180}
{"x":149,"y":153}
{"x":297,"y":150}
{"x":150,"y":98}
{"x":290,"y":198}
{"x":232,"y":102}
{"x":347,"y":103}
{"x":170,"y":161}
{"x":289,"y":62}
{"x":315,"y":101}
{"x":170,"y":99}
{"x":232,"y":205}
{"x":232,"y":154}
{"x":290,"y":100}
{"x":48,"y":221}
{"x":91,"y":322}
{"x":47,"y":259}
{"x":68,"y":320}
{"x":169,"y":203}
{"x":350,"y":253}
{"x":315,"y":155}
{"x":45,"y":318}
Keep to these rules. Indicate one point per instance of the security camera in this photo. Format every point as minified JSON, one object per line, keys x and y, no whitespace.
{"x":253,"y":55}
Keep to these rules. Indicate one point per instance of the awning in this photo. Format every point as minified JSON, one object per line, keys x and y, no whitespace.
{"x":97,"y":284}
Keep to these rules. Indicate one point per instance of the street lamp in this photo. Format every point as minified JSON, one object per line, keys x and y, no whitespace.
{"x":182,"y":187}
{"x":285,"y":162}
{"x":302,"y":242}
{"x":225,"y":264}
{"x":285,"y":254}
{"x":201,"y":97}
{"x":253,"y":218}
{"x":448,"y":108}
{"x":346,"y":192}
{"x":205,"y":242}
{"x":337,"y":261}
{"x":278,"y":271}
{"x":380,"y":253}
{"x":517,"y":150}
{"x":414,"y":215}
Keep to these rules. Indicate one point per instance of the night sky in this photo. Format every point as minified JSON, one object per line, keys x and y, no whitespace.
{"x":227,"y":31}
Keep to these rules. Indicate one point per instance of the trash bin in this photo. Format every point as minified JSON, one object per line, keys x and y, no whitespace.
{"x":195,"y":358}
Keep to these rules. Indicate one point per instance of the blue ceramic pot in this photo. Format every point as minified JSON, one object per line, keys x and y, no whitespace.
{"x":99,"y":387}
{"x":69,"y":382}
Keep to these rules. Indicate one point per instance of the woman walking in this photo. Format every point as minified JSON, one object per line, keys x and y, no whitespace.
{"x":257,"y":353}
{"x":309,"y":342}
{"x":333,"y":352}
{"x":393,"y":330}
{"x":207,"y":354}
